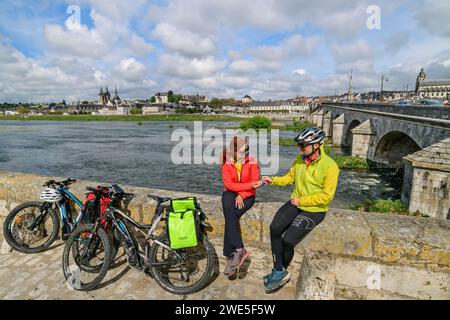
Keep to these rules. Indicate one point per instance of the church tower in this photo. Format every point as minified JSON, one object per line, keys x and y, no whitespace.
{"x":101,"y":97}
{"x":107,"y":95}
{"x":420,"y":77}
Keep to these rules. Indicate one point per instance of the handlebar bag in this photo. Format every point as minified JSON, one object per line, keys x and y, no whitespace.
{"x":183,"y":223}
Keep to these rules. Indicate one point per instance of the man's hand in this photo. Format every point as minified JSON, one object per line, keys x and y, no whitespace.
{"x":239,"y":202}
{"x":295,"y":201}
{"x":257,"y":184}
{"x":267,"y":180}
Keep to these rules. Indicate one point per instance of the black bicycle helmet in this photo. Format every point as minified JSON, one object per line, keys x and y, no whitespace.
{"x":310,"y":136}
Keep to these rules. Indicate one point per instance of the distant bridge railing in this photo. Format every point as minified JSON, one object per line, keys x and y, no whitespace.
{"x":442,"y":123}
{"x":413,"y":110}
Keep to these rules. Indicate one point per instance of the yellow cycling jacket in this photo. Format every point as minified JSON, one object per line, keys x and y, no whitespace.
{"x":315,"y":184}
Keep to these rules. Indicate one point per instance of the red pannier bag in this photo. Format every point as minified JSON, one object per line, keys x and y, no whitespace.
{"x":95,"y":207}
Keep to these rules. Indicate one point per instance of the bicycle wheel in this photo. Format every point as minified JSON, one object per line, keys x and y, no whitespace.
{"x":187,"y":277}
{"x":84,"y":257}
{"x":16,"y":228}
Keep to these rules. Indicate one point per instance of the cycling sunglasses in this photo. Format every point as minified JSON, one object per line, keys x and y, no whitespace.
{"x":303,"y":145}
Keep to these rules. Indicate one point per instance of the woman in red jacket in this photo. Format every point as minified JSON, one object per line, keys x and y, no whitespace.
{"x":240,"y":175}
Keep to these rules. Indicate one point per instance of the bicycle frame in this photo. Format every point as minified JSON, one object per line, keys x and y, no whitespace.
{"x":159,"y":211}
{"x":62,"y":206}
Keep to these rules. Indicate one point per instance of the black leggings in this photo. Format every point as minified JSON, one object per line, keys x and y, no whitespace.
{"x":289,"y":226}
{"x":232,"y":235}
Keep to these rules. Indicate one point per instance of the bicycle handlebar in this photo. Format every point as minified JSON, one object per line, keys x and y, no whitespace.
{"x":113,"y":191}
{"x":63,"y":183}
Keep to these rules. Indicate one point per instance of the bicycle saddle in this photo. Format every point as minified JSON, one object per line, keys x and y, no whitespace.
{"x":159,"y":199}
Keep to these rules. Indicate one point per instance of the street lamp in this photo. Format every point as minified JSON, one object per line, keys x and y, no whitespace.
{"x":383,"y":78}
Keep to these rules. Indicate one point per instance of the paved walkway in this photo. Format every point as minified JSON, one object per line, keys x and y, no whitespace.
{"x":39,"y":276}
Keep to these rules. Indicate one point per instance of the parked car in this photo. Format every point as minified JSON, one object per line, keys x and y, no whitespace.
{"x":430,"y":102}
{"x":404,"y":103}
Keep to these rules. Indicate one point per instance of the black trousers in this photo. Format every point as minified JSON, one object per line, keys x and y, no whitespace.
{"x":289,"y":226}
{"x":232,"y":236}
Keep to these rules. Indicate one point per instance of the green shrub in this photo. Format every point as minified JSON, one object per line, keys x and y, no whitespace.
{"x":256,"y":122}
{"x":349,"y":162}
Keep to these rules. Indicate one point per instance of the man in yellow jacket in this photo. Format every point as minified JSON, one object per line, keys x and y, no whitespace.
{"x":315,"y":176}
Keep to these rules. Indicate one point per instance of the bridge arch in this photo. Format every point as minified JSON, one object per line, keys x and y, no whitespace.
{"x":348,"y":135}
{"x":393,"y":146}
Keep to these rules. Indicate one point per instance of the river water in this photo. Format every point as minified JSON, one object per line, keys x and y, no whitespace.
{"x":128,"y":153}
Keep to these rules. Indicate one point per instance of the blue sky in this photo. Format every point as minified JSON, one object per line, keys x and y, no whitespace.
{"x":266,"y":48}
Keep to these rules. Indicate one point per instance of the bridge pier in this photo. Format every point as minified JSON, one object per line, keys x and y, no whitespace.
{"x":327,"y":124}
{"x":426,"y":182}
{"x":338,"y":130}
{"x":363,"y":140}
{"x":319,"y":119}
{"x":313,"y":117}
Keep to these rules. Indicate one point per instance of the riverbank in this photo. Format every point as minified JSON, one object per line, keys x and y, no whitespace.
{"x":137,"y":118}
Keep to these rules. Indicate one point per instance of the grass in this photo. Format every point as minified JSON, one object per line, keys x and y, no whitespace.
{"x":388,"y":206}
{"x":298,"y":125}
{"x":285,"y":142}
{"x":156,"y":117}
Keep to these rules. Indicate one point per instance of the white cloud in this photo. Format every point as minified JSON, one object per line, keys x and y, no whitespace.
{"x":140,"y":46}
{"x":300,"y":72}
{"x":433,"y":15}
{"x":293,"y":47}
{"x":182,"y":41}
{"x":79,"y":42}
{"x":131,"y":70}
{"x":220,"y":48}
{"x":190,"y":68}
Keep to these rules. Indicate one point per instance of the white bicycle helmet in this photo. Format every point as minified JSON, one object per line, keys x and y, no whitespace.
{"x":310,"y":136}
{"x":50,"y":195}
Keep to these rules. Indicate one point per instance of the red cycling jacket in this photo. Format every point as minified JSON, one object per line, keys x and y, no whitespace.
{"x":249,"y":174}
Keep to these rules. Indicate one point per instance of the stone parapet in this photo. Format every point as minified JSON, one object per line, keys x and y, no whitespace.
{"x":360,"y":245}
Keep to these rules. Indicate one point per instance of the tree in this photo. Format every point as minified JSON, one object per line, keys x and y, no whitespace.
{"x":22,"y":110}
{"x":152,"y":99}
{"x":173,"y":98}
{"x":136,"y":111}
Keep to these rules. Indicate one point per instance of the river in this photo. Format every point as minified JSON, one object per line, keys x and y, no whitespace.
{"x":128,"y":153}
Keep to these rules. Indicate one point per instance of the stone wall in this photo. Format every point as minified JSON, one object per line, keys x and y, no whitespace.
{"x":351,"y":255}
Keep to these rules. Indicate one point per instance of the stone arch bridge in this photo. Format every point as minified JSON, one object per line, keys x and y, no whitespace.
{"x":415,"y":137}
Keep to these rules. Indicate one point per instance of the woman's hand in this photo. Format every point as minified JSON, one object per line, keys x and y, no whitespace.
{"x":295,"y":201}
{"x":257,"y":184}
{"x":239,"y":202}
{"x":267,"y":180}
